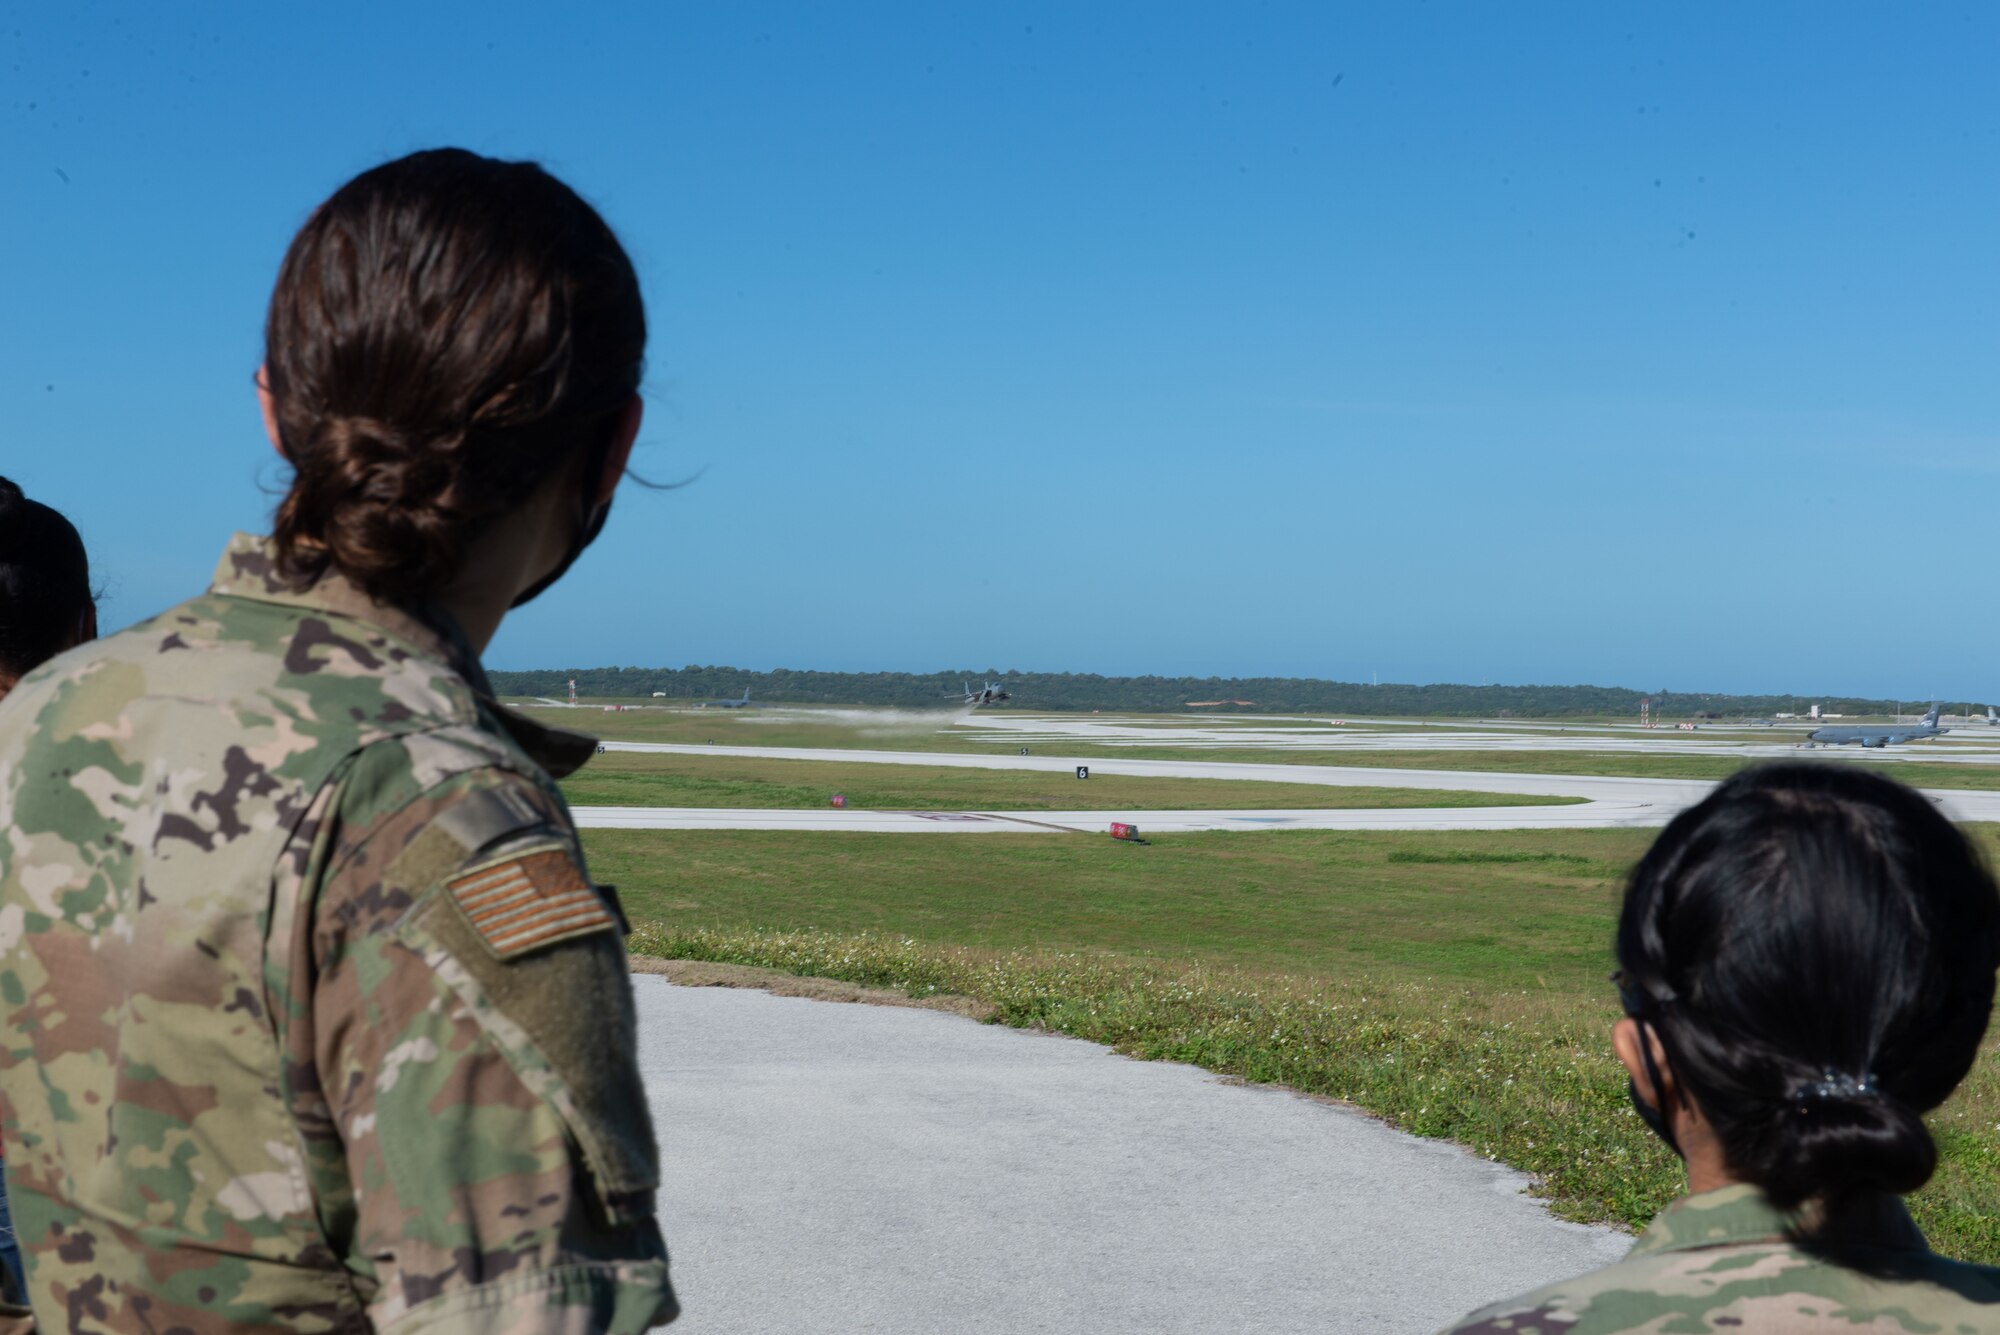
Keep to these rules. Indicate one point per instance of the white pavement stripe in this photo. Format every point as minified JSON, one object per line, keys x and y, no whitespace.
{"x":848,"y":1168}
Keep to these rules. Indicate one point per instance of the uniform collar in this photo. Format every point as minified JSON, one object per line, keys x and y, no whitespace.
{"x":1742,"y":1214}
{"x":249,"y":569}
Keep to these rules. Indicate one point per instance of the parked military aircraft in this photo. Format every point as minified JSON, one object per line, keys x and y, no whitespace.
{"x":744,"y":703}
{"x":1876,"y":736}
{"x":991,"y":693}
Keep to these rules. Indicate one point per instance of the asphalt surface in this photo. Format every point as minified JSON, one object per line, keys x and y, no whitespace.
{"x":843,"y":1168}
{"x":1607,"y":801}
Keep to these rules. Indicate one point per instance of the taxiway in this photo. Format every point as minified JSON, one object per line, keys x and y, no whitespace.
{"x":1606,"y":801}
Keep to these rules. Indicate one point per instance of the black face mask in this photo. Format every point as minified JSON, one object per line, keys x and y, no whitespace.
{"x":1650,"y":1113}
{"x":589,"y":523}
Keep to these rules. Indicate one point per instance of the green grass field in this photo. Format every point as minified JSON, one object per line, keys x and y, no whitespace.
{"x":1523,"y":908}
{"x":717,"y":779}
{"x":1453,"y":983}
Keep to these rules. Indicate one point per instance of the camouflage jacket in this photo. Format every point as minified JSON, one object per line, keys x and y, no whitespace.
{"x":309,"y":1017}
{"x":1722,"y":1262}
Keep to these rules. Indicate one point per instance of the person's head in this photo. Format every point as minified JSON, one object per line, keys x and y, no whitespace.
{"x":1812,"y":951}
{"x":452,"y":340}
{"x":45,"y":600}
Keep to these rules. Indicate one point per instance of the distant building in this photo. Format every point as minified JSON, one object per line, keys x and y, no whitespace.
{"x":1217,"y":704}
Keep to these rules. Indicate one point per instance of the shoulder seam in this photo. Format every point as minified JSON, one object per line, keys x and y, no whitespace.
{"x":334,"y":867}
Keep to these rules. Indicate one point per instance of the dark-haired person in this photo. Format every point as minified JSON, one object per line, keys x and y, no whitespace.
{"x":45,"y":607}
{"x":1806,"y":961}
{"x":316,"y":1020}
{"x":45,"y":601}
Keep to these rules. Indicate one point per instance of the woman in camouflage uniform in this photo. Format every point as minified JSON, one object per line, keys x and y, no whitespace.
{"x":313,"y":1019}
{"x":1807,"y":967}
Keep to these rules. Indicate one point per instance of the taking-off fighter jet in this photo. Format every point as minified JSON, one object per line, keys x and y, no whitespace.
{"x":991,"y":693}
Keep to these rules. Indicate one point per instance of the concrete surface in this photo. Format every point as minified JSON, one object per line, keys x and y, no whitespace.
{"x":860,"y":1168}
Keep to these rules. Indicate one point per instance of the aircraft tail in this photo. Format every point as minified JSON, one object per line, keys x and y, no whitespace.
{"x":1931,"y":717}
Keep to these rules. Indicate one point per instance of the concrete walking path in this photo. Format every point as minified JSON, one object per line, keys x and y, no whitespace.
{"x":843,"y":1168}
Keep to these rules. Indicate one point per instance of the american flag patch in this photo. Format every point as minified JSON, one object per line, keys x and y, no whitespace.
{"x":528,"y":902}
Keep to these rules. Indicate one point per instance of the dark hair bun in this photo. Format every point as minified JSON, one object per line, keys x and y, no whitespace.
{"x":385,"y":506}
{"x":1840,"y":1145}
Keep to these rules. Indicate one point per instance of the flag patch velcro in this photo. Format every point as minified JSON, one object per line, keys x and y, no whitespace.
{"x":529,"y":902}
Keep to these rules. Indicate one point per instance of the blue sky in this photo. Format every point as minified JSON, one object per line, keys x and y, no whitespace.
{"x":1441,"y":342}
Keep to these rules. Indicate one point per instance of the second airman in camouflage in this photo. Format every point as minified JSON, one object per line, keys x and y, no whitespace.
{"x":1807,"y":965}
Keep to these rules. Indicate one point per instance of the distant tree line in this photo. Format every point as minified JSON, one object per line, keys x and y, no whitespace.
{"x":1073,"y":691}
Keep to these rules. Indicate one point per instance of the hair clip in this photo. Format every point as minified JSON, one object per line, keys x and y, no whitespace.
{"x":1831,"y":1085}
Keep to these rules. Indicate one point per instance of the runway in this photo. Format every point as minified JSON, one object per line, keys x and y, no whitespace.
{"x":1607,"y":801}
{"x":1581,"y":816}
{"x":1966,"y":744}
{"x":865,"y":1168}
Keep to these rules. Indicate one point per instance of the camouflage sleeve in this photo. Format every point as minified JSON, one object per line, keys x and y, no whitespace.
{"x":486,"y":1159}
